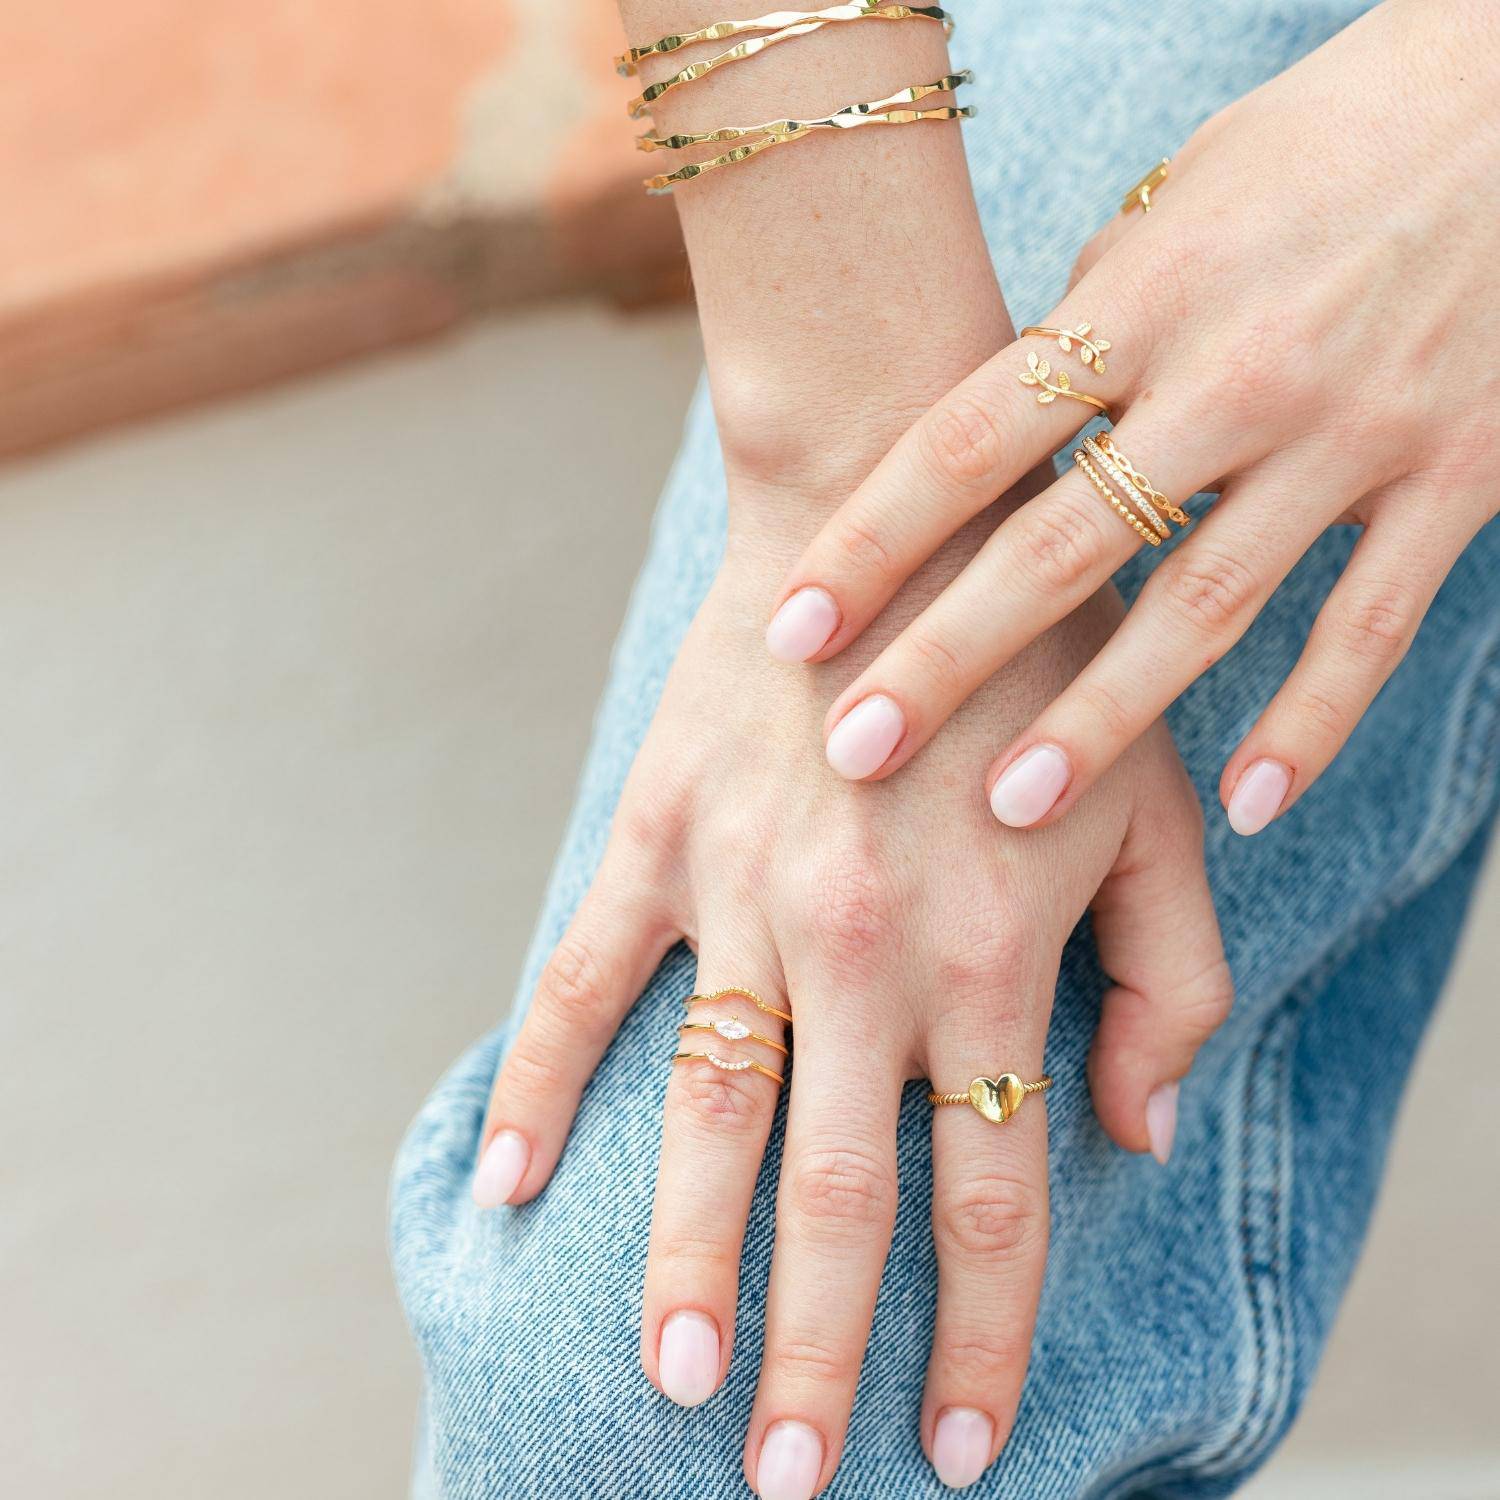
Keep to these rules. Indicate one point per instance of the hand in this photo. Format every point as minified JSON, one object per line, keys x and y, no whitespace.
{"x":910,"y":938}
{"x":1303,"y":318}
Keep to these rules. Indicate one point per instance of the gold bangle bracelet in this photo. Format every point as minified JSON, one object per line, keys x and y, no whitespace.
{"x":733,"y":1031}
{"x":744,"y":1065}
{"x":749,"y":995}
{"x":997,"y":1099}
{"x":749,"y":48}
{"x":1120,"y":508}
{"x":666,"y":181}
{"x":626,"y":64}
{"x":653,"y":142}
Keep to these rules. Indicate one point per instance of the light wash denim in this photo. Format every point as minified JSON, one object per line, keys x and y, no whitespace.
{"x":1185,"y":1308}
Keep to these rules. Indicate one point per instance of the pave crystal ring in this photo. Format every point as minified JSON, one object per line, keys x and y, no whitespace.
{"x":997,"y":1099}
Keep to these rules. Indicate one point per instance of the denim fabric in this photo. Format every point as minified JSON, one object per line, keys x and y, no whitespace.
{"x":1184,"y":1309}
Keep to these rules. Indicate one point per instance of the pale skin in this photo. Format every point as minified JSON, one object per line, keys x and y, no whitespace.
{"x":1303,"y":323}
{"x":909,"y":935}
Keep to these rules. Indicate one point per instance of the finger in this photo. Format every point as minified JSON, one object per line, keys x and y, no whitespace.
{"x":610,"y":950}
{"x":989,"y":1226}
{"x":1361,"y":634}
{"x":1194,"y":607}
{"x":1037,"y":567}
{"x":835,"y":1211}
{"x":716,"y":1120}
{"x":1159,"y":942}
{"x":973,"y":445}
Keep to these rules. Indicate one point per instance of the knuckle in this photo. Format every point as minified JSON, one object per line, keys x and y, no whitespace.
{"x":852,"y":911}
{"x":963,"y":440}
{"x":1205,"y":1002}
{"x":988,"y":961}
{"x":807,"y":1362}
{"x":573,"y":979}
{"x":941,"y":666}
{"x":1060,"y":539}
{"x":1320,"y":712}
{"x":1174,"y":271}
{"x":1376,"y":623}
{"x":1270,"y":362}
{"x":686,"y":1249}
{"x":528,"y":1072}
{"x":862,"y":551}
{"x":992,"y":1217}
{"x":1210,"y":591}
{"x":720,"y":1101}
{"x":985,"y":1358}
{"x":1106,"y":708}
{"x":841,"y":1188}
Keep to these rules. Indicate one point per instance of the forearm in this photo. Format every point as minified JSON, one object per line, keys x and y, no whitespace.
{"x":842,"y":280}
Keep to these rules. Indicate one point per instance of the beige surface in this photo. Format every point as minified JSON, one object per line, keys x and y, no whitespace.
{"x":295,"y":694}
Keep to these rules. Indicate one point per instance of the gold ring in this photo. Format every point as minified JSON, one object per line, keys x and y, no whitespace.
{"x":997,"y":1099}
{"x":1140,"y":482}
{"x":1100,"y":483}
{"x":733,"y":1030}
{"x":1140,"y":195}
{"x":750,"y":995}
{"x":1088,"y":343}
{"x":1038,"y":372}
{"x":743,"y":1065}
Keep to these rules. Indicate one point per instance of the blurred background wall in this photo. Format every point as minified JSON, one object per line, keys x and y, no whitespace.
{"x":293,"y":708}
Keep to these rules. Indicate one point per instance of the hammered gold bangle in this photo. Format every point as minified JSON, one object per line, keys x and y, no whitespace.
{"x":750,"y":47}
{"x":1116,"y":504}
{"x":666,"y":181}
{"x":734,"y":1031}
{"x":650,"y":141}
{"x":997,"y":1099}
{"x":627,"y":63}
{"x":749,"y":995}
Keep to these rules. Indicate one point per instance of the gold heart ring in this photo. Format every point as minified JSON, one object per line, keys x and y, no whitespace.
{"x":997,"y":1099}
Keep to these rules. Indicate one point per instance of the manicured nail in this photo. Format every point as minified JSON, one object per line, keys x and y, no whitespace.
{"x":500,"y":1169}
{"x":961,"y":1446}
{"x":689,"y":1357}
{"x":1030,"y":785}
{"x":863,"y":739}
{"x":1258,"y":795}
{"x":1161,"y":1120}
{"x":791,"y":1458}
{"x":802,"y":626}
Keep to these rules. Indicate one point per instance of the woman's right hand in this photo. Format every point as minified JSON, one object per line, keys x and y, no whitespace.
{"x":911,"y":937}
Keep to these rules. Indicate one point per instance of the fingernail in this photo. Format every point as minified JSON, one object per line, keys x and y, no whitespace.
{"x":802,"y":626}
{"x":1161,"y":1120}
{"x":500,"y":1169}
{"x":689,"y":1357}
{"x":791,"y":1458}
{"x":863,"y":739}
{"x":961,"y":1446}
{"x":1258,"y":795}
{"x":1030,"y":786}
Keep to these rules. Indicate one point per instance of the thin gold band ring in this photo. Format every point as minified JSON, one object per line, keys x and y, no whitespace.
{"x":749,"y":995}
{"x":733,"y":1031}
{"x":743,"y":1065}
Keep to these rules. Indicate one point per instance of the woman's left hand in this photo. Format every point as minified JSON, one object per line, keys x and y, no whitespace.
{"x":1308,"y":321}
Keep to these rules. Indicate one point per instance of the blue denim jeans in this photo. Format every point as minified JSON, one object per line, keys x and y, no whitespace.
{"x":1184,"y":1309}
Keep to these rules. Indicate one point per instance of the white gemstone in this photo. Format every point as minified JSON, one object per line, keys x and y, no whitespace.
{"x":728,"y":1067}
{"x":732,"y":1030}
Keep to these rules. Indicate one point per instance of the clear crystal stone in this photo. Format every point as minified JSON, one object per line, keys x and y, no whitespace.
{"x":732,"y":1030}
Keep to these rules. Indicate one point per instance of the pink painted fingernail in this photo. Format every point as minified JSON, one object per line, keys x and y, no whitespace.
{"x":500,"y":1169}
{"x":863,"y":739}
{"x":689,"y":1357}
{"x":1161,"y":1120}
{"x":961,"y":1446}
{"x":802,"y":626}
{"x":1030,"y":786}
{"x":1258,"y":795}
{"x":791,"y":1458}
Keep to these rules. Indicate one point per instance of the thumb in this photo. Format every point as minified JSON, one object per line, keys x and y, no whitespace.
{"x":1159,"y":942}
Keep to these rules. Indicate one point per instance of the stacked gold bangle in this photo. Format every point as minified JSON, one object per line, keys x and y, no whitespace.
{"x":779,"y":26}
{"x":1130,"y":494}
